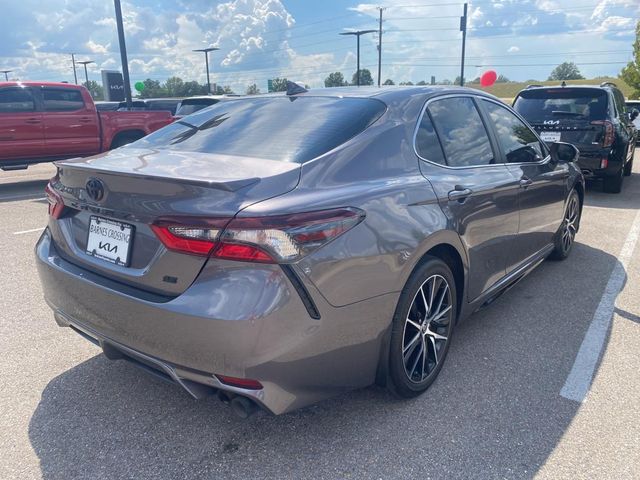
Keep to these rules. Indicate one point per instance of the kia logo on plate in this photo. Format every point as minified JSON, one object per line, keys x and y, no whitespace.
{"x":95,"y":189}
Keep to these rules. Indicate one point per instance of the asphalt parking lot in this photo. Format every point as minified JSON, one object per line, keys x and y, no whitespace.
{"x":498,"y":410}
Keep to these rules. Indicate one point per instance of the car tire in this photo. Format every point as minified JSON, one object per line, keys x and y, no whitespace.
{"x":628,"y":168}
{"x":565,"y":236}
{"x":613,"y":184}
{"x":422,"y":327}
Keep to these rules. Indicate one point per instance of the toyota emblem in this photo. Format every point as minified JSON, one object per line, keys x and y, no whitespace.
{"x":95,"y":189}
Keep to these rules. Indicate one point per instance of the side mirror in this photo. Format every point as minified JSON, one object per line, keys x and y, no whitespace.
{"x":562,"y":152}
{"x":633,"y":114}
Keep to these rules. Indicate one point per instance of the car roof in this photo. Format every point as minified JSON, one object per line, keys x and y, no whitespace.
{"x":40,"y":84}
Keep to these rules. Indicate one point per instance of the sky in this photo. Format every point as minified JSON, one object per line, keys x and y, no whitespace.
{"x":298,"y":39}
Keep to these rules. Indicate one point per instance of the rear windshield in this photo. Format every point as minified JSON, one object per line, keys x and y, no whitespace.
{"x":584,"y":103}
{"x":290,"y":129}
{"x":187,"y":107}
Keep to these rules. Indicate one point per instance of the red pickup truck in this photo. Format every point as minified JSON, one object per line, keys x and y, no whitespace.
{"x":45,"y":121}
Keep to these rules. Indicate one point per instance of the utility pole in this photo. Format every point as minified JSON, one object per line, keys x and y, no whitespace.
{"x":6,"y":74}
{"x":380,"y":46}
{"x":123,"y":53}
{"x":463,"y":29}
{"x":73,"y":61}
{"x":86,"y":75}
{"x":206,"y":62}
{"x":358,"y":33}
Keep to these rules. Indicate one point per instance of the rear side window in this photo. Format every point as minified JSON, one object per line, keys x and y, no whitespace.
{"x":464,"y":139}
{"x":558,"y":103}
{"x":187,"y":107}
{"x":62,"y":100}
{"x":427,"y":143}
{"x":289,"y":129}
{"x":16,"y":100}
{"x":519,"y":144}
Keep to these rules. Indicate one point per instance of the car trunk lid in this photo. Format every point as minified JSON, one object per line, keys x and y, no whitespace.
{"x":142,"y":185}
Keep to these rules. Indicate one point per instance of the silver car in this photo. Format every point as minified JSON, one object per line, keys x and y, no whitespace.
{"x":280,"y":249}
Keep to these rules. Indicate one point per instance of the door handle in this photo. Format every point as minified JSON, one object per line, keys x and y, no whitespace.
{"x":32,"y":121}
{"x":459,"y":193}
{"x":84,"y":120}
{"x":525,"y":182}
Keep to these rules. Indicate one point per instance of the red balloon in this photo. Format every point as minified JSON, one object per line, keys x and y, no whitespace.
{"x":488,"y":78}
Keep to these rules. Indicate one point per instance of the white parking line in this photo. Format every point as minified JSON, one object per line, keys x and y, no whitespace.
{"x":29,"y":231}
{"x":579,"y":380}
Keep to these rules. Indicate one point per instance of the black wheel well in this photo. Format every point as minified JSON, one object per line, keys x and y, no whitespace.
{"x":127,"y":134}
{"x":580,"y":189}
{"x":449,"y":255}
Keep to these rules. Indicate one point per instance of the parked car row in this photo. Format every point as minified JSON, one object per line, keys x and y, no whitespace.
{"x":281,"y":249}
{"x":179,"y":107}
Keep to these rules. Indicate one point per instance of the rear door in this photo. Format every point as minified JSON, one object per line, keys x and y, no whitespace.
{"x":475,"y":189}
{"x":542,"y":182}
{"x":70,"y":122}
{"x":21,"y":127}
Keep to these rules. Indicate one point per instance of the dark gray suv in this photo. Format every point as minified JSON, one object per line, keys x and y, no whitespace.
{"x":279,"y":249}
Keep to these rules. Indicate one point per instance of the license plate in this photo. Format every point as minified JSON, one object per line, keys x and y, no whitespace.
{"x":110,"y":240}
{"x":550,"y":136}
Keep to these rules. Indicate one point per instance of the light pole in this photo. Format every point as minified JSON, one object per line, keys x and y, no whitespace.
{"x":73,"y":61}
{"x":6,"y":74}
{"x":86,"y":75}
{"x":357,"y":33}
{"x":206,"y":62}
{"x":123,"y":53}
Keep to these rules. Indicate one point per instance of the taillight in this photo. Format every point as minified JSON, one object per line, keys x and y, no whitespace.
{"x":608,"y":132}
{"x":268,"y":239}
{"x":56,"y":203}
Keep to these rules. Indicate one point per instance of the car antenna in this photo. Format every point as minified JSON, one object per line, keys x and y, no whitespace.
{"x":294,"y":88}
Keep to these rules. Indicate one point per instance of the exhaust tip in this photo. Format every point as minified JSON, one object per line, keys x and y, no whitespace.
{"x":243,"y":407}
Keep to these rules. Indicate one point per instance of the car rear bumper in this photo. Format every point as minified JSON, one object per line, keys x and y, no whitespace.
{"x":239,"y":320}
{"x":591,"y":163}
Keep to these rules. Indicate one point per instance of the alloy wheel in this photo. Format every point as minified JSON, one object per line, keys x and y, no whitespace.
{"x":570,"y":226}
{"x":427,"y":328}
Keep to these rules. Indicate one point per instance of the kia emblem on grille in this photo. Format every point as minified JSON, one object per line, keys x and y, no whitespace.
{"x":95,"y":189}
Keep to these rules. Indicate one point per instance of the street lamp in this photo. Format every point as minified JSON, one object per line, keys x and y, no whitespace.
{"x":86,"y":75}
{"x":206,"y":62}
{"x":357,"y":33}
{"x":6,"y":72}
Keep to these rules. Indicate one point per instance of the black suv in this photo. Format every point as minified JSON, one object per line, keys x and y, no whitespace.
{"x":592,"y":118}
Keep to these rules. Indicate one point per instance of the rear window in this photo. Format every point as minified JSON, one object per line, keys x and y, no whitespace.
{"x":290,"y":129}
{"x":187,"y":107}
{"x":584,"y":103}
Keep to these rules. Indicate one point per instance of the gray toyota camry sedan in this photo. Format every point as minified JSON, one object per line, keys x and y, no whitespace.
{"x":280,"y":249}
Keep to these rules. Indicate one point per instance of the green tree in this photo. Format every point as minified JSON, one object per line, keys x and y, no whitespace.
{"x":226,"y":90}
{"x":335,"y":79}
{"x":406,"y":83}
{"x":174,"y":87}
{"x":152,"y":88}
{"x":253,"y":89}
{"x":631,"y":73}
{"x":566,"y":71}
{"x":279,"y":85}
{"x":388,"y":81}
{"x":422,"y":83}
{"x":189,"y":89}
{"x":365,"y":77}
{"x":95,"y":89}
{"x":502,"y":79}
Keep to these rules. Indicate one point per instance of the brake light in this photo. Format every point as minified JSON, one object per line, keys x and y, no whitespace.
{"x":56,"y":203}
{"x":608,"y":132}
{"x":269,"y":239}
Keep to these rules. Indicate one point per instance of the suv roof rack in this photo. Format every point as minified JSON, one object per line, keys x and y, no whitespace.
{"x":608,"y":84}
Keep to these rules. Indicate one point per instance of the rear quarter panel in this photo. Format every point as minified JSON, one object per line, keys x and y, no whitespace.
{"x":114,"y":123}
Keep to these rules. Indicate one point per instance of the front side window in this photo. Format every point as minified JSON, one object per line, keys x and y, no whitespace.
{"x":519,"y":144}
{"x":16,"y":100}
{"x":59,"y":100}
{"x":288,"y":129}
{"x":464,"y":139}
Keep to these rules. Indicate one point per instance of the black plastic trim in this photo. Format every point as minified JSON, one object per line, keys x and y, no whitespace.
{"x":312,"y":310}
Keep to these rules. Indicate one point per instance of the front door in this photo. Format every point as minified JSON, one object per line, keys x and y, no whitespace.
{"x":543,"y":183}
{"x":21,"y":128}
{"x":475,"y":189}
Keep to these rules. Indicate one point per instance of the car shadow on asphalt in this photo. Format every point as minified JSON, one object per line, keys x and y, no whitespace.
{"x":10,"y":192}
{"x":495,"y":411}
